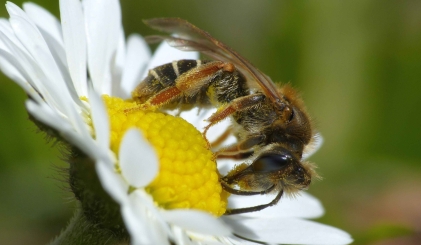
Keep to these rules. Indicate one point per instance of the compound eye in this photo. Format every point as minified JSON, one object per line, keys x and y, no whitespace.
{"x":271,"y":162}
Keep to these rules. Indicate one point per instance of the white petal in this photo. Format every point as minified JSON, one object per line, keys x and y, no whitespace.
{"x":180,"y":236}
{"x":69,"y":131}
{"x":138,"y":54}
{"x":55,"y":85}
{"x":11,"y":68}
{"x":121,"y":51}
{"x":167,"y":54}
{"x":99,"y":119}
{"x":302,"y":206}
{"x":138,"y":160}
{"x":84,"y":142}
{"x":200,"y":239}
{"x":103,"y":23}
{"x":35,"y":44}
{"x":45,"y":114}
{"x":6,"y":28}
{"x":17,"y":56}
{"x":289,"y":231}
{"x":53,"y":91}
{"x":72,"y":21}
{"x":29,"y":34}
{"x":26,"y":67}
{"x":13,"y":9}
{"x":137,"y":227}
{"x":44,"y":19}
{"x":118,"y":65}
{"x":112,"y":182}
{"x":314,"y":145}
{"x":81,"y":128}
{"x":44,"y":71}
{"x":47,"y":78}
{"x":197,"y":221}
{"x":38,"y":79}
{"x":144,"y":226}
{"x":239,"y":241}
{"x":50,"y":29}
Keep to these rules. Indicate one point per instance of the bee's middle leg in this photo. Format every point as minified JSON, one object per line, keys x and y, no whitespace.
{"x":238,"y":104}
{"x":218,"y":141}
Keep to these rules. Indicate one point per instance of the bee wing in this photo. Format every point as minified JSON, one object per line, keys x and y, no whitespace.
{"x":191,"y":38}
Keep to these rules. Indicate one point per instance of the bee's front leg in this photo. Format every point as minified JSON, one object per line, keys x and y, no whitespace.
{"x":242,"y":149}
{"x":255,"y":208}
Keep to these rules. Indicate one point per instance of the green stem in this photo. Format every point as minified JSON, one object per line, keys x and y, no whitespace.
{"x":97,"y":219}
{"x":81,"y":231}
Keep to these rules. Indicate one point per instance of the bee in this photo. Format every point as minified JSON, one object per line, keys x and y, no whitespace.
{"x":271,"y":124}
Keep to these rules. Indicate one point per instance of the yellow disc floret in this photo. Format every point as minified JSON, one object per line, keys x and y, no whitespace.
{"x":188,"y":177}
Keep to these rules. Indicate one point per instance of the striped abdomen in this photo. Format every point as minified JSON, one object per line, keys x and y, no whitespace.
{"x":222,"y":88}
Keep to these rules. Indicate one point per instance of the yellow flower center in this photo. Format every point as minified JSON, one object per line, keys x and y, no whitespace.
{"x":188,"y":177}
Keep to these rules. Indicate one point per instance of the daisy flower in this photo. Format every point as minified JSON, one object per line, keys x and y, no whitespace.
{"x":78,"y":73}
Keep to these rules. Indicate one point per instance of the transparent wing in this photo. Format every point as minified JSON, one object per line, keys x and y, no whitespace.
{"x":191,"y":38}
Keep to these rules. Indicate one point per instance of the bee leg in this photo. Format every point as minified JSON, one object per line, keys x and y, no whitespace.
{"x":238,"y":104}
{"x":238,"y":156}
{"x":226,"y":183}
{"x":231,"y":190}
{"x":156,"y":101}
{"x":163,"y":97}
{"x":189,"y":83}
{"x":254,"y":208}
{"x":218,"y":141}
{"x":240,"y":148}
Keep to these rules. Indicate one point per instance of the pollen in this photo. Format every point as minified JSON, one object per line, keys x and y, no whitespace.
{"x":188,"y":177}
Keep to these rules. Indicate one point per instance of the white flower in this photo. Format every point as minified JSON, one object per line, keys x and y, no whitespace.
{"x":50,"y":60}
{"x":147,"y":223}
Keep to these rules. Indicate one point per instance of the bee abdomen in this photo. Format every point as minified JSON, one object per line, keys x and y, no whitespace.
{"x":162,"y":77}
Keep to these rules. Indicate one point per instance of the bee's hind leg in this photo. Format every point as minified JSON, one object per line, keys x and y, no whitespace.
{"x":189,"y":83}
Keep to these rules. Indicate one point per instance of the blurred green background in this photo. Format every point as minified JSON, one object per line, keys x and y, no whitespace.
{"x":358,"y":66}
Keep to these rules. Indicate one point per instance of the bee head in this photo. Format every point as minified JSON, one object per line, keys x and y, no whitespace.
{"x":285,"y":168}
{"x":273,"y":169}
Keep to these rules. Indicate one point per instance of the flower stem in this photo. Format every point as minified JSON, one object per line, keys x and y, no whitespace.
{"x":97,"y":219}
{"x":81,"y":231}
